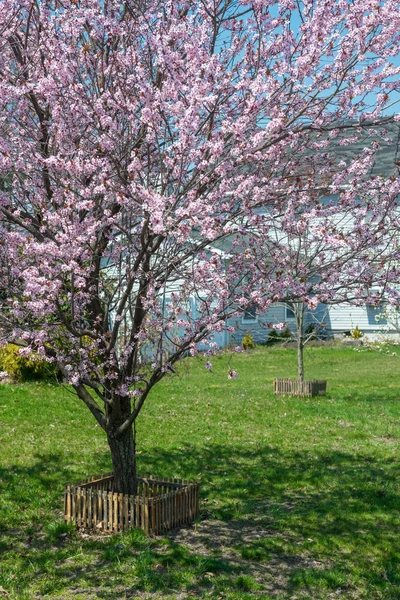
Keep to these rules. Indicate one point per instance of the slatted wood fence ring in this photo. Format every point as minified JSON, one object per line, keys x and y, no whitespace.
{"x":161,"y":504}
{"x":296,"y":387}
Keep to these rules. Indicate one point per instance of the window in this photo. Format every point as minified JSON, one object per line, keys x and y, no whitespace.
{"x":376,"y":315}
{"x":289,"y":312}
{"x":250,"y":315}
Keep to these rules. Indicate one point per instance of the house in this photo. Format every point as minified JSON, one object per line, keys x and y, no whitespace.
{"x":336,"y":320}
{"x":333,"y":320}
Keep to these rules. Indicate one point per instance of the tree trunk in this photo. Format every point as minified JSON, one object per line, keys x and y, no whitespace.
{"x":300,"y":358}
{"x":123,"y":454}
{"x":299,"y":314}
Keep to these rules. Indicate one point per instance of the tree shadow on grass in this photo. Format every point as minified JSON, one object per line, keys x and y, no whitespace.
{"x":303,"y":517}
{"x":294,"y":522}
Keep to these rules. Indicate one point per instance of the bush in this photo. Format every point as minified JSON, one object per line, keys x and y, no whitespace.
{"x":247,"y":341}
{"x":272,"y":337}
{"x":311,"y":332}
{"x":22,"y":368}
{"x":286,"y":334}
{"x":356,"y":334}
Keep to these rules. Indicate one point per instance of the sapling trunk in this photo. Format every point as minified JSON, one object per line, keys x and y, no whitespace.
{"x":299,"y":315}
{"x":300,"y":358}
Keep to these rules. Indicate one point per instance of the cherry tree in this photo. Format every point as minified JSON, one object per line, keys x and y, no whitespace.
{"x":137,"y":136}
{"x":338,"y":243}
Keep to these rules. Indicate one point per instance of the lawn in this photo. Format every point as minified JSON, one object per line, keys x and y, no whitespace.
{"x":300,"y":497}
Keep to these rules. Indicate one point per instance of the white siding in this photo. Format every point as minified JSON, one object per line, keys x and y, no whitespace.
{"x":344,"y":317}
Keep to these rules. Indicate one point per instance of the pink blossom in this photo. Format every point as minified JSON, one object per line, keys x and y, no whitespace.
{"x":278,"y":326}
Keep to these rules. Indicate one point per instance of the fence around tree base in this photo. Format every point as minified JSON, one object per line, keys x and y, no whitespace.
{"x":296,"y":387}
{"x":160,"y":504}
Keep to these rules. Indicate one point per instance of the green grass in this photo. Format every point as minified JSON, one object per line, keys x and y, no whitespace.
{"x":300,"y":497}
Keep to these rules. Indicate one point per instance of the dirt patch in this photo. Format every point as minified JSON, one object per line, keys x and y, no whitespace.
{"x":273,"y":573}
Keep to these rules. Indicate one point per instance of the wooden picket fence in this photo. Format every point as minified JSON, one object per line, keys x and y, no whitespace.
{"x":160,"y":505}
{"x":295,"y":387}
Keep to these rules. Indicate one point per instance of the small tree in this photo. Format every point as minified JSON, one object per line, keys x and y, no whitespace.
{"x":305,"y":331}
{"x":339,"y":241}
{"x":138,"y":135}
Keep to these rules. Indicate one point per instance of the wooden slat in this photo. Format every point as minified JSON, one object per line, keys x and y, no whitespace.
{"x":185,"y":504}
{"x":89,"y":508}
{"x":73,"y":502}
{"x":154,"y":515}
{"x":166,"y":511}
{"x":169,"y":511}
{"x":162,"y":511}
{"x":151,"y":515}
{"x":139,"y":504}
{"x":179,"y":512}
{"x":84,"y":507}
{"x":105,"y":510}
{"x":114,"y":512}
{"x":79,"y":507}
{"x":137,"y":511}
{"x":145,"y":514}
{"x":67,"y":503}
{"x":159,"y":507}
{"x":110,"y":511}
{"x":99,"y":510}
{"x":131,"y":511}
{"x":158,"y":500}
{"x":125,"y":512}
{"x":94,"y":507}
{"x":121,"y":511}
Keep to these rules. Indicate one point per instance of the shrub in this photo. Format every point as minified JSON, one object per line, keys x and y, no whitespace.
{"x":311,"y":332}
{"x":356,"y":334}
{"x":286,"y":334}
{"x":272,"y":337}
{"x":22,"y":368}
{"x":247,"y":341}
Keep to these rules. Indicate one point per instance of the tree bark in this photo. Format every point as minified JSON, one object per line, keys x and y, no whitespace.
{"x":300,"y":358}
{"x":299,"y":314}
{"x":123,"y":454}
